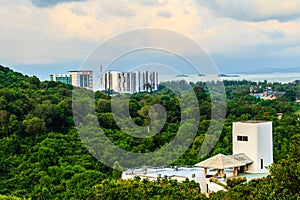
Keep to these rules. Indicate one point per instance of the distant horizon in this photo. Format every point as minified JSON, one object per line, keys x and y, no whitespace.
{"x":44,"y":71}
{"x":270,"y":77}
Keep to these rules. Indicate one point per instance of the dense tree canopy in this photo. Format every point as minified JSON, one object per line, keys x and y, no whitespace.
{"x":42,"y":156}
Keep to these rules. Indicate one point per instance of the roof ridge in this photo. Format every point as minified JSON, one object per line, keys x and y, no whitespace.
{"x":222,"y":161}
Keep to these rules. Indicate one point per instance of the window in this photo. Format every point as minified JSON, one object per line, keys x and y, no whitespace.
{"x":261,"y":163}
{"x":242,"y":138}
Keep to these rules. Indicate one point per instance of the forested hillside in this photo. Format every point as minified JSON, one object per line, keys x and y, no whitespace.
{"x":42,"y":156}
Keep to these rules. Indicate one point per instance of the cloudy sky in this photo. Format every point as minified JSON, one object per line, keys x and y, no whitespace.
{"x":41,"y":36}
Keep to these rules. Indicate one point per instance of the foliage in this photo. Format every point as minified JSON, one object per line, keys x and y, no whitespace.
{"x":3,"y":197}
{"x":145,"y":189}
{"x":42,"y":156}
{"x":231,"y":182}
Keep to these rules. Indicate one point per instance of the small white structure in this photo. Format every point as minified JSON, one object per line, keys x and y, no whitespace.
{"x":254,"y":138}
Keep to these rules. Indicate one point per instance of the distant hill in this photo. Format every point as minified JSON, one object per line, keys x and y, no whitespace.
{"x":268,"y":70}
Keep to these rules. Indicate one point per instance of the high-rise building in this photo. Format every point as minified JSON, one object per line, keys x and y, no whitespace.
{"x":111,"y":80}
{"x":131,"y":82}
{"x":82,"y":78}
{"x":136,"y":82}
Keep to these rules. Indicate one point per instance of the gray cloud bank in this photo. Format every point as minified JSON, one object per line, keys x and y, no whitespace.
{"x":50,"y":3}
{"x":255,"y":10}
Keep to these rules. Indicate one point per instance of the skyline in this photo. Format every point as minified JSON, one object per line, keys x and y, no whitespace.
{"x":39,"y":37}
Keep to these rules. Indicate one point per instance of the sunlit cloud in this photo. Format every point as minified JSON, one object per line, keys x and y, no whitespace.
{"x":55,"y":31}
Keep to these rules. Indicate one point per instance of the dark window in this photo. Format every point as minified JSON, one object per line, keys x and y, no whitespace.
{"x":242,"y":138}
{"x":261,"y":163}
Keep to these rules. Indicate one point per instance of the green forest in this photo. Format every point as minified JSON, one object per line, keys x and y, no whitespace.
{"x":43,"y":157}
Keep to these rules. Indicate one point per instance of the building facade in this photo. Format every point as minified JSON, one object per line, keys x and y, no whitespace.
{"x":63,"y":78}
{"x":111,"y":80}
{"x":254,"y":138}
{"x":82,"y":78}
{"x":131,"y":82}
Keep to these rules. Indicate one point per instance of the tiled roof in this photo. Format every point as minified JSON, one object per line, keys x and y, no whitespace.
{"x":220,"y":161}
{"x":242,"y":158}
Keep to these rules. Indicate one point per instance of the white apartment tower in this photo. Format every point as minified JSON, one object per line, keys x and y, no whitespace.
{"x":137,"y":81}
{"x":82,"y":79}
{"x":254,"y":138}
{"x":111,"y":80}
{"x":131,"y":82}
{"x":150,"y":79}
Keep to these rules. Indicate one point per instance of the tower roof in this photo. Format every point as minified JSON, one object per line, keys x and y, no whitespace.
{"x":253,"y":121}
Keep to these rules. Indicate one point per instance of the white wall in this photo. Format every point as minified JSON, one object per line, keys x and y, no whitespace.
{"x":250,"y":147}
{"x":114,"y":81}
{"x":259,"y":145}
{"x":265,"y":145}
{"x":75,"y":80}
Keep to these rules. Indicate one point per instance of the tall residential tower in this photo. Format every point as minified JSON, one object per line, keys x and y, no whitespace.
{"x":131,"y":82}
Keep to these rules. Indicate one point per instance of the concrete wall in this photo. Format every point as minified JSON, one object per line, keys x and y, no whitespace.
{"x":265,"y":145}
{"x":213,"y":187}
{"x":250,"y":147}
{"x":259,"y":145}
{"x":75,"y":80}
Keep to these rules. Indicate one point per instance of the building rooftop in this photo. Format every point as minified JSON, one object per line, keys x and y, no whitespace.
{"x":253,"y":121}
{"x":182,"y":173}
{"x":220,"y":161}
{"x":81,"y":71}
{"x":242,"y":158}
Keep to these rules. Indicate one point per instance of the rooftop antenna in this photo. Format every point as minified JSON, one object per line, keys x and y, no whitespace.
{"x":101,"y":78}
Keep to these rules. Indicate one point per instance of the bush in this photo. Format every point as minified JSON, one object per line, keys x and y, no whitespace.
{"x":231,"y":182}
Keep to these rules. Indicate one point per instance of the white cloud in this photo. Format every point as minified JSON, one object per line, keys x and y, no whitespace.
{"x":69,"y":30}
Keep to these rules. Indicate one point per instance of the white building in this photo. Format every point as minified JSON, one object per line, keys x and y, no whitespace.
{"x":252,"y":152}
{"x":111,"y":80}
{"x":131,"y":82}
{"x":82,"y":79}
{"x":137,"y":82}
{"x":254,"y":138}
{"x":150,"y":78}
